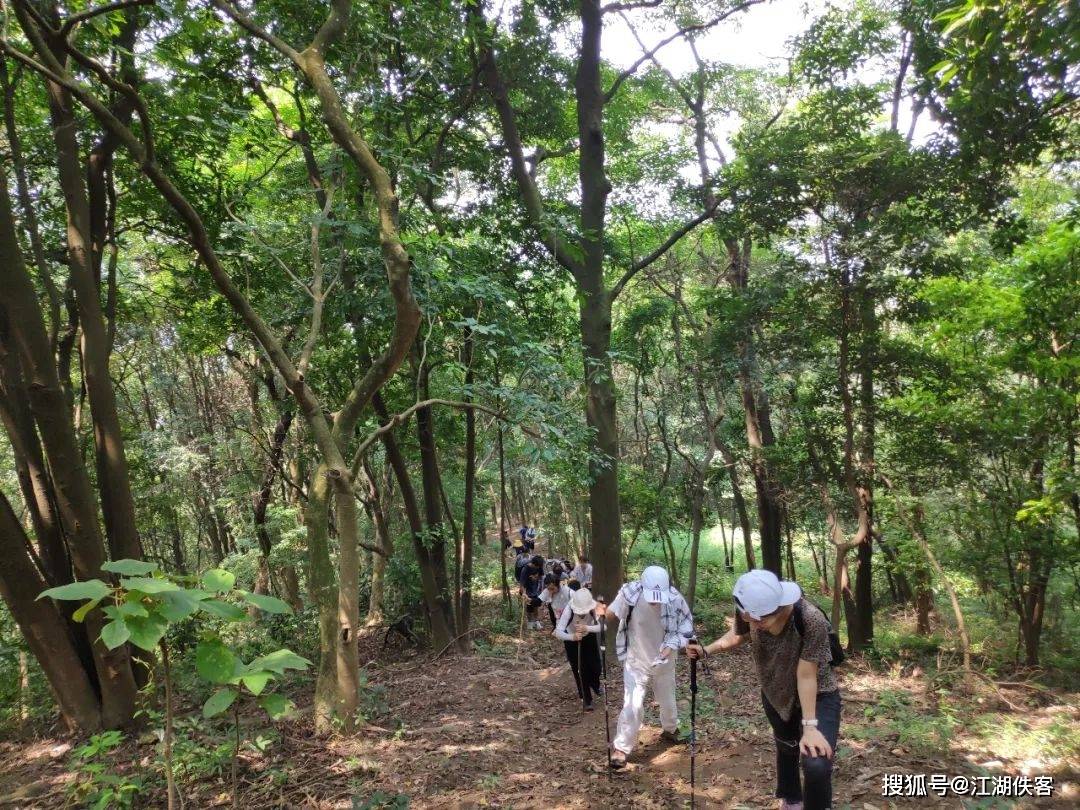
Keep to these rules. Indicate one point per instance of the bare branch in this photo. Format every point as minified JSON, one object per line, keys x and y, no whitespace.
{"x":667,"y":244}
{"x":253,"y":28}
{"x":620,"y":7}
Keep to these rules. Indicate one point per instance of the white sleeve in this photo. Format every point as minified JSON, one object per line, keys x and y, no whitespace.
{"x":545,"y":596}
{"x":560,"y":631}
{"x":619,"y":607}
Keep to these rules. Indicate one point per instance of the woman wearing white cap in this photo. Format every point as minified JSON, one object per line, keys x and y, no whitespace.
{"x":578,"y":628}
{"x":647,"y":644}
{"x":792,"y":654}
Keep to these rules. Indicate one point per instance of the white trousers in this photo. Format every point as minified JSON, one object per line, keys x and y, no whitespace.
{"x":635,"y":682}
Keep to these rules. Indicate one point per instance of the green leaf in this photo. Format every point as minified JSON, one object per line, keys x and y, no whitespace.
{"x":132,"y":609}
{"x":277,"y":706}
{"x":214,"y":661}
{"x":80,"y":614}
{"x":257,"y":681}
{"x":87,"y":589}
{"x":115,"y":633}
{"x":279,"y":661}
{"x":149,"y":585}
{"x":130,"y":568}
{"x":177,"y":605}
{"x":219,"y":702}
{"x":146,"y":632}
{"x":223,"y":609}
{"x":217,"y":579}
{"x":271,"y":604}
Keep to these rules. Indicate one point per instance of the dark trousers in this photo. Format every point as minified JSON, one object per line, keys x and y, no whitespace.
{"x":587,"y":677}
{"x":816,"y":790}
{"x":531,"y":604}
{"x":551,"y":614}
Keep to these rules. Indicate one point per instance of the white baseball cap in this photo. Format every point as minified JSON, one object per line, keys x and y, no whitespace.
{"x":581,"y":601}
{"x":656,"y":584}
{"x":760,"y":592}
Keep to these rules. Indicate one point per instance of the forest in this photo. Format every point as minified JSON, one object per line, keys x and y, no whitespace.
{"x":314,"y":315}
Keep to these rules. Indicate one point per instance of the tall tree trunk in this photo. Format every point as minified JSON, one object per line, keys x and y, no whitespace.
{"x":758,"y":417}
{"x":75,"y":500}
{"x":504,"y":524}
{"x":434,"y":603}
{"x":585,"y":263}
{"x":117,"y":502}
{"x":431,"y":482}
{"x":605,"y":536}
{"x":43,"y":627}
{"x":864,"y":594}
{"x":464,"y":585}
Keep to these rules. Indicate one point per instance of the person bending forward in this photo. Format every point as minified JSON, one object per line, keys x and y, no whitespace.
{"x":798,"y":688}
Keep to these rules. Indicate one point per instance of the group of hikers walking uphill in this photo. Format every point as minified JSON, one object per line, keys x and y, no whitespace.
{"x":793,"y":647}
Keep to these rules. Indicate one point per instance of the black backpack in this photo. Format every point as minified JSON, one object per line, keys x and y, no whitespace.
{"x":836,"y":650}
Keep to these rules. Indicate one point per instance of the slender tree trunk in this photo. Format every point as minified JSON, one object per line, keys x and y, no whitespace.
{"x":34,"y":480}
{"x":758,"y":418}
{"x":504,"y":526}
{"x":464,"y":594}
{"x":790,"y":547}
{"x":434,"y":602}
{"x":864,"y":593}
{"x":739,"y":505}
{"x":376,"y":508}
{"x":431,"y":481}
{"x":117,"y":502}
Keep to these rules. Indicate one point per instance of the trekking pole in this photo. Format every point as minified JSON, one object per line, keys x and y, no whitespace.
{"x":521,"y":631}
{"x":603,"y":683}
{"x":693,"y":725}
{"x":581,"y":675}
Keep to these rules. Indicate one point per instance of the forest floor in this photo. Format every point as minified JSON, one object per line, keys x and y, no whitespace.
{"x":502,"y":728}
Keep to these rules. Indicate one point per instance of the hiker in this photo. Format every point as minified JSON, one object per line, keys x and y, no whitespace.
{"x":557,"y":568}
{"x":556,"y":596}
{"x":530,"y":539}
{"x":521,"y":558}
{"x":579,"y":629}
{"x":531,"y":582}
{"x":654,"y":624}
{"x":582,"y":572}
{"x":792,"y":654}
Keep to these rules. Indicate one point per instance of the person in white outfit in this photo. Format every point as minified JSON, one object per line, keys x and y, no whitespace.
{"x":582,"y":572}
{"x":654,"y":624}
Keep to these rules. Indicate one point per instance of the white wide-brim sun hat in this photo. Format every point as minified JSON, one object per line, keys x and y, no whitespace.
{"x":582,"y":601}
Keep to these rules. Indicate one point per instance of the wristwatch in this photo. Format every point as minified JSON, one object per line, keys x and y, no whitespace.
{"x":810,"y":722}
